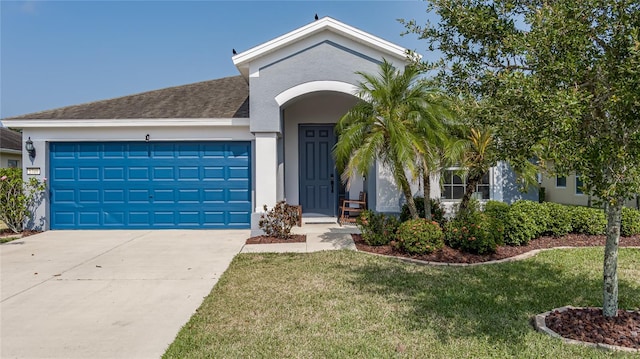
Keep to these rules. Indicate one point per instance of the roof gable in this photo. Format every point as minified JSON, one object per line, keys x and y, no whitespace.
{"x":243,"y":59}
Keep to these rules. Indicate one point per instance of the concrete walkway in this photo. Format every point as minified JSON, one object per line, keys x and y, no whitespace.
{"x":320,"y":237}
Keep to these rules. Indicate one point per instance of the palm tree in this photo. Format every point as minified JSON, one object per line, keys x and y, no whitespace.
{"x":397,"y":120}
{"x":478,"y":158}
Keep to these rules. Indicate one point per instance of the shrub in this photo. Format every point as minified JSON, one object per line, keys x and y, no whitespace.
{"x":559,"y":222}
{"x":437,"y":211}
{"x":587,"y":220}
{"x":420,"y":236}
{"x":527,"y":220}
{"x":18,"y":197}
{"x":377,"y":229}
{"x":630,"y":222}
{"x":498,"y":214}
{"x":474,"y":232}
{"x":279,"y":220}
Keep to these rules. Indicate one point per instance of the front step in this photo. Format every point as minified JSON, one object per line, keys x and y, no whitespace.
{"x":312,"y":220}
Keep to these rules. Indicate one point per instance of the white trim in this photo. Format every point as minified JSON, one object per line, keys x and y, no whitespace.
{"x":134,"y":122}
{"x":10,"y":151}
{"x":242,"y":59}
{"x":315,"y":86}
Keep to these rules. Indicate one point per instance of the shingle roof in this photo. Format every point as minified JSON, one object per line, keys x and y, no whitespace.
{"x":10,"y":140}
{"x":221,"y":98}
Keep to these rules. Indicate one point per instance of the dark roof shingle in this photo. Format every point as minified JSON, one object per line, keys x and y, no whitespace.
{"x":10,"y":140}
{"x":221,"y":98}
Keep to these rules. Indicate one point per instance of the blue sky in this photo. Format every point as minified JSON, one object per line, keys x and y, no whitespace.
{"x":59,"y":53}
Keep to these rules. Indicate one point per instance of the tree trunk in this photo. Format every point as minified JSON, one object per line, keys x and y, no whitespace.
{"x":406,"y":190}
{"x":472,"y":182}
{"x":614,"y":218}
{"x":426,"y":189}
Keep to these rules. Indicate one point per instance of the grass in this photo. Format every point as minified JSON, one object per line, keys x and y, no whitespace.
{"x":7,"y":239}
{"x":352,"y":305}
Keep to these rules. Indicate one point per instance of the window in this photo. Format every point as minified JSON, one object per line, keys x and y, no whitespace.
{"x":579,"y":185}
{"x":455,"y":185}
{"x":561,"y":181}
{"x":12,"y":164}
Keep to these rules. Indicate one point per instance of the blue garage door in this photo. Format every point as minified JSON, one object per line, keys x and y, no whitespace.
{"x":150,"y":185}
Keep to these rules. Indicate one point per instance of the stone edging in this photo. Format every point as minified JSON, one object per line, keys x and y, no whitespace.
{"x":519,"y":257}
{"x":541,"y":326}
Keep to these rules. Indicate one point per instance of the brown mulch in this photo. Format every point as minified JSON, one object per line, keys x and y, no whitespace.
{"x":9,"y":233}
{"x":589,"y":325}
{"x":450,"y":255}
{"x":295,"y":238}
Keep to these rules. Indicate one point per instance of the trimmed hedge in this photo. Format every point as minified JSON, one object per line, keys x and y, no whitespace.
{"x":527,"y":220}
{"x":559,"y":222}
{"x":630,"y":222}
{"x":474,"y":232}
{"x":498,"y":213}
{"x":586,"y":220}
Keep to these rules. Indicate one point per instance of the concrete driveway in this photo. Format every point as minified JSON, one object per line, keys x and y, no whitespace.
{"x":106,"y":294}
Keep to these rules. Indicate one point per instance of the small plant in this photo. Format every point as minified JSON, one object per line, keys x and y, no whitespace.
{"x":420,"y":236}
{"x":278,"y":221}
{"x":437,"y":211}
{"x":630,"y":222}
{"x":587,"y":220}
{"x":17,"y":197}
{"x":377,"y":229}
{"x":474,"y":232}
{"x":559,"y":222}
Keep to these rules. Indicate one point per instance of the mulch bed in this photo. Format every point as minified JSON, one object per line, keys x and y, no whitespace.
{"x":587,"y":325}
{"x":450,"y":255}
{"x":295,"y":238}
{"x":9,"y":233}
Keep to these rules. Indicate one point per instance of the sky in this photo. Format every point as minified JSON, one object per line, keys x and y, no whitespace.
{"x":60,"y":53}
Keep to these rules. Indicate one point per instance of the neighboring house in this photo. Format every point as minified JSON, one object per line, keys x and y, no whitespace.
{"x":10,"y":148}
{"x":211,"y":154}
{"x":568,"y":190}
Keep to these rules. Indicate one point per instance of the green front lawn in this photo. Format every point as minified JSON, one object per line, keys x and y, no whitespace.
{"x":347,"y":304}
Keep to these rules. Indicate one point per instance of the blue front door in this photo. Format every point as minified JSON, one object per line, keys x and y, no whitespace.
{"x":318,"y":182}
{"x":140,"y":185}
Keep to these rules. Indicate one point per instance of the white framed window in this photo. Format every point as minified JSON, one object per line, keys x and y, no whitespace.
{"x":454,"y":185}
{"x":561,"y":182}
{"x":12,"y":163}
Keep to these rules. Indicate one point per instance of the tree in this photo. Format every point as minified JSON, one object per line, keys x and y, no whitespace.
{"x":397,"y":120}
{"x":559,"y":82}
{"x":477,"y":160}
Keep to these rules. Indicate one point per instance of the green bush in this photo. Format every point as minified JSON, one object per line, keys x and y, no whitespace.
{"x":630,"y":222}
{"x":474,"y":232}
{"x":498,"y":214}
{"x":437,"y":211}
{"x":17,"y":197}
{"x":527,"y":220}
{"x":278,"y":221}
{"x":420,"y":236}
{"x":587,"y":220}
{"x":377,"y":229}
{"x":559,"y":222}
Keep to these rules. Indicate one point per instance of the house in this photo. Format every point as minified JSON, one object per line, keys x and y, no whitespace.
{"x":211,"y":154}
{"x":568,"y":190}
{"x":10,"y":148}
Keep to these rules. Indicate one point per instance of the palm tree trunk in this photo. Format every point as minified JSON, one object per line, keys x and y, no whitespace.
{"x":406,"y":190}
{"x":472,"y":182}
{"x":610,"y":292}
{"x":426,"y":189}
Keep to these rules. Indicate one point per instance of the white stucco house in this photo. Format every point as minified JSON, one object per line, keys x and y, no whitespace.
{"x":211,"y":154}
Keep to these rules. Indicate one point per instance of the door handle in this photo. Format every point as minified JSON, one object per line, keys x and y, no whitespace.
{"x":331,"y":178}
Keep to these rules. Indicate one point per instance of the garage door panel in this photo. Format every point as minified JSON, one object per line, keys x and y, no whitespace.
{"x":150,"y":185}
